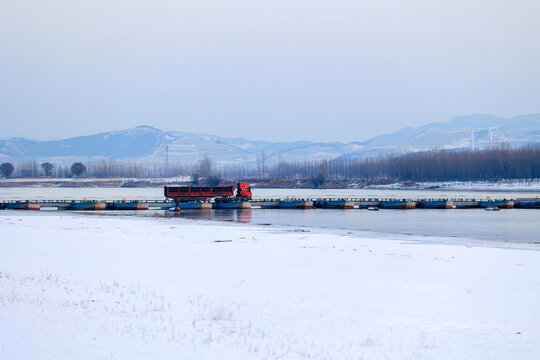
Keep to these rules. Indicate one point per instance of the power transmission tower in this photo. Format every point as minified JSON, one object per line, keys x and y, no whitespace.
{"x":167,"y":160}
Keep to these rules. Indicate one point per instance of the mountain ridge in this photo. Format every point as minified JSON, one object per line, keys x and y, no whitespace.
{"x":150,"y":144}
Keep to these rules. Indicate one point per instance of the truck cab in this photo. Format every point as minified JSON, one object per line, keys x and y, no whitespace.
{"x":243,"y":191}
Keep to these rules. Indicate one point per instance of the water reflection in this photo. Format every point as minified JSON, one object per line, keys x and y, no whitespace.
{"x":512,"y":225}
{"x":231,"y":215}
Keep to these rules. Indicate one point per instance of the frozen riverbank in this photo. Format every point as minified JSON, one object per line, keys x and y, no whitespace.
{"x":499,"y":186}
{"x":73,"y":286}
{"x":510,"y":185}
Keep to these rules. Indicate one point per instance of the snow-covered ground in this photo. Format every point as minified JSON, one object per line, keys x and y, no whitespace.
{"x":96,"y":287}
{"x":503,"y":185}
{"x":53,"y":180}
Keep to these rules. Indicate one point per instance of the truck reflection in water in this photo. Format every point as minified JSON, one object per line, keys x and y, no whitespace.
{"x":233,"y":215}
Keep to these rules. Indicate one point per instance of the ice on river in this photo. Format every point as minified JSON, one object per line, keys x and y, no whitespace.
{"x":92,"y":287}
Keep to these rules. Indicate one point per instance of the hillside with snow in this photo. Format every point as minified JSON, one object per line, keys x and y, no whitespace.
{"x":148,"y":144}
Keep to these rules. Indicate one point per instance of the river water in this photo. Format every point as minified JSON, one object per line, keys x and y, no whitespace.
{"x":511,"y":225}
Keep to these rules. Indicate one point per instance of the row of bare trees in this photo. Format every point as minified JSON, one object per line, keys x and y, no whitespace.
{"x":523,"y":163}
{"x":32,"y":169}
{"x":501,"y":163}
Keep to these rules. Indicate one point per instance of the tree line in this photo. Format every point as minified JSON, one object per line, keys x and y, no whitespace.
{"x":32,"y":169}
{"x":442,"y":165}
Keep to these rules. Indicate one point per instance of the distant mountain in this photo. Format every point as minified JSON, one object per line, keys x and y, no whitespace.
{"x":148,"y":144}
{"x":458,"y":134}
{"x":133,"y":143}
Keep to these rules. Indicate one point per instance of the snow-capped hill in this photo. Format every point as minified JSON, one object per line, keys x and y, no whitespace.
{"x":132,"y":143}
{"x":149,"y":144}
{"x":523,"y":122}
{"x":316,"y":151}
{"x":458,"y":134}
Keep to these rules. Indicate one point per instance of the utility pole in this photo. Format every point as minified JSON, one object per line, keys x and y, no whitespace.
{"x":473,"y":140}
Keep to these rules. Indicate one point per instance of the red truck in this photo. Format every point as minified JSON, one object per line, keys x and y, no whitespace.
{"x":204,"y":193}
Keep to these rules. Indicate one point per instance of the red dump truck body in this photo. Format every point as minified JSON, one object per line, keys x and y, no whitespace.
{"x":186,"y":193}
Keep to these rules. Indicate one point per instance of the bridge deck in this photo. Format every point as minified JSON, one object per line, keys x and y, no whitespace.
{"x":344,"y":203}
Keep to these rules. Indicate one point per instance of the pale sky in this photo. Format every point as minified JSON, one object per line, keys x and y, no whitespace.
{"x":271,"y":70}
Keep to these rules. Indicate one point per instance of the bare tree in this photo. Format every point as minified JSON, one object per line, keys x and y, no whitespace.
{"x":195,"y":177}
{"x":78,"y":169}
{"x":47,"y":168}
{"x":6,"y":169}
{"x":205,"y":167}
{"x":263,"y":169}
{"x":214,"y":180}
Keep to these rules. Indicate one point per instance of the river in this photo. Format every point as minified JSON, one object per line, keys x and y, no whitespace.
{"x":511,"y":225}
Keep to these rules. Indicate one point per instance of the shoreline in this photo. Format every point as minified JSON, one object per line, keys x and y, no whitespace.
{"x":404,"y":237}
{"x":473,"y":186}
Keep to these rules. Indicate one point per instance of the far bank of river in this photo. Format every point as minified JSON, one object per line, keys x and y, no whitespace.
{"x":473,"y":186}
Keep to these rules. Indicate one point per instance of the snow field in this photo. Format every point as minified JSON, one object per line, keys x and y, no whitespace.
{"x":502,"y":185}
{"x":93,"y":287}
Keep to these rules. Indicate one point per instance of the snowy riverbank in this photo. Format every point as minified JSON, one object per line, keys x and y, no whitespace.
{"x":516,"y":185}
{"x":92,"y":287}
{"x":503,"y":185}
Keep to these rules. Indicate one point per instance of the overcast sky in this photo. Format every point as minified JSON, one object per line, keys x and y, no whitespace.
{"x":272,"y":70}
